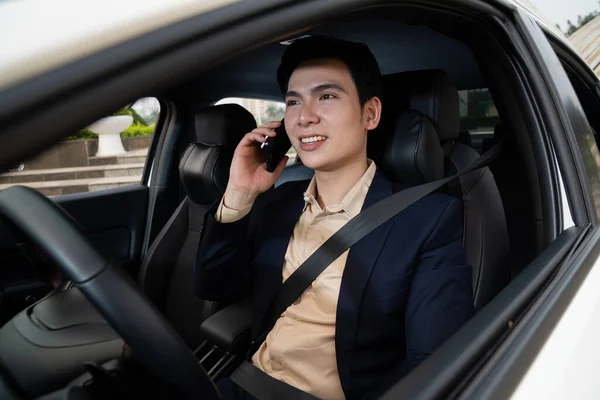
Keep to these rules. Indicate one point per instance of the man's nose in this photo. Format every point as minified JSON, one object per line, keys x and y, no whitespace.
{"x":308,"y":114}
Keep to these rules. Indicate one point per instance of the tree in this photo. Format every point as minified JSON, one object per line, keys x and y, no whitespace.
{"x":274,"y":113}
{"x":571,"y":28}
{"x":581,"y":21}
{"x":587,"y":19}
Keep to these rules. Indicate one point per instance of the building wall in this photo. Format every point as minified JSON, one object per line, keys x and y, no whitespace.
{"x":586,"y":40}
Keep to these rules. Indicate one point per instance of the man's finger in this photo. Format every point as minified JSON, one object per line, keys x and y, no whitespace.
{"x":253,"y":137}
{"x":265,"y":131}
{"x":271,"y":124}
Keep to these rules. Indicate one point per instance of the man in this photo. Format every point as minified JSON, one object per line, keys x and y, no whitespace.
{"x":380,"y":308}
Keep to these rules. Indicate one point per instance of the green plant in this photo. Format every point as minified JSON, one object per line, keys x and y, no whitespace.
{"x":84,"y":133}
{"x":137,"y":118}
{"x":139,"y":127}
{"x":138,"y":130}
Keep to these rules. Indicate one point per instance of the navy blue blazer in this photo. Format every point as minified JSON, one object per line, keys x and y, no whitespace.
{"x":406,"y":287}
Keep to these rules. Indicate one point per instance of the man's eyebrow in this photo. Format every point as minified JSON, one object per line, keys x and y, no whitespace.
{"x":292,"y":93}
{"x":318,"y":89}
{"x":327,"y":86}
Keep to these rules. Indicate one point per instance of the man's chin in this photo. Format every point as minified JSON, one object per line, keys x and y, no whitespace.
{"x":312,"y":162}
{"x":319,"y":164}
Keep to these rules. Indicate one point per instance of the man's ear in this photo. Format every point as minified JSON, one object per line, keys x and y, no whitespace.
{"x":372,"y":113}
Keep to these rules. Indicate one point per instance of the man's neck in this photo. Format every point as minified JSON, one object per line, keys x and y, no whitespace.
{"x":332,"y":186}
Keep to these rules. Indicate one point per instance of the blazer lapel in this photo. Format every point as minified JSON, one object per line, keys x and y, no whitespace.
{"x":360,"y":262}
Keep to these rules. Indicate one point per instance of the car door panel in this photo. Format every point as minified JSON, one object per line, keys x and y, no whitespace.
{"x":114,"y":220}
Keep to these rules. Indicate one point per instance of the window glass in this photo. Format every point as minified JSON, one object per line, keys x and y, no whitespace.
{"x":589,"y":144}
{"x":263,"y":112}
{"x":108,"y":153}
{"x":478,"y":114}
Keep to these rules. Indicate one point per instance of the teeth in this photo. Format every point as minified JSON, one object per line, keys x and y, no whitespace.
{"x":313,"y":139}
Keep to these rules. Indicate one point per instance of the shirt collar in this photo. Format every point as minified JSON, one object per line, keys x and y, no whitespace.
{"x":352,"y":201}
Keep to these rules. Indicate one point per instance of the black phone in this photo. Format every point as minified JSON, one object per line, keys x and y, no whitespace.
{"x":276,"y":147}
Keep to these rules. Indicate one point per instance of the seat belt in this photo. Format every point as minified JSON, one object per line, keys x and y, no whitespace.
{"x":263,"y":386}
{"x":357,"y":228}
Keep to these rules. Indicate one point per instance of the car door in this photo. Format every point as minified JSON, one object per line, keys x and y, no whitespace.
{"x":538,"y":337}
{"x":553,"y":352}
{"x":564,"y":365}
{"x":99,"y":175}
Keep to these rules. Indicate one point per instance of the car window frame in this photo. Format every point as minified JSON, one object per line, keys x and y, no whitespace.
{"x":157,"y":136}
{"x":571,"y":131}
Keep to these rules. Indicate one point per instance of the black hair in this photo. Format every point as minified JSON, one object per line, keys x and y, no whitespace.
{"x":358,"y":58}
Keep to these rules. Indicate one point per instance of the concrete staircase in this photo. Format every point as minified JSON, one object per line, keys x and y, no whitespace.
{"x":103,"y":173}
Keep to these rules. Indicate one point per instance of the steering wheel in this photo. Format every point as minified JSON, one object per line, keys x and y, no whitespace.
{"x":152,"y":339}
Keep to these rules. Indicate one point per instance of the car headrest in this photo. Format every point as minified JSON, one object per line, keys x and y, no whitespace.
{"x":413,"y":153}
{"x":204,"y":167}
{"x":429,"y":91}
{"x":223,"y":125}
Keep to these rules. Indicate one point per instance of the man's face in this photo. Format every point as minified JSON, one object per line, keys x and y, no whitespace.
{"x":323,"y":116}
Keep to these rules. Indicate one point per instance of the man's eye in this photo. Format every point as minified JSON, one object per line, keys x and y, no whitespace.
{"x":291,"y":103}
{"x":327,"y":96}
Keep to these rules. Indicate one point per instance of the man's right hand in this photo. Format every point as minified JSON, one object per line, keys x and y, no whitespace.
{"x":248,"y":175}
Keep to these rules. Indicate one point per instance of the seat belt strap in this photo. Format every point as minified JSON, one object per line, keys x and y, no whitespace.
{"x":357,"y":228}
{"x":265,"y":387}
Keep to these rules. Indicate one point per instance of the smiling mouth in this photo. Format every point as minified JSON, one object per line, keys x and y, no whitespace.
{"x":313,"y":139}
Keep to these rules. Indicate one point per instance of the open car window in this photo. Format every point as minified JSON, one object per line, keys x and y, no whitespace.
{"x":109,"y":153}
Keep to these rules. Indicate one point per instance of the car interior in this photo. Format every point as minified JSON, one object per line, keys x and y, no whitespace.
{"x":429,"y":57}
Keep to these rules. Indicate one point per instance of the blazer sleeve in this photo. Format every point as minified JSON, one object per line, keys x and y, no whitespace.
{"x":223,"y":263}
{"x":440,"y":299}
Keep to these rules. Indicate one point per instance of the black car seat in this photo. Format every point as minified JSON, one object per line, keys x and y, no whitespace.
{"x":166,"y":271}
{"x":485,"y":231}
{"x":517,"y":194}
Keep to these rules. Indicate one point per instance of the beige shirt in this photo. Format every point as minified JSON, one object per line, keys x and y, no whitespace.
{"x":300,"y":349}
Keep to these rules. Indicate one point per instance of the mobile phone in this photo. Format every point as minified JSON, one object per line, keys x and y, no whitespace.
{"x":276,"y":147}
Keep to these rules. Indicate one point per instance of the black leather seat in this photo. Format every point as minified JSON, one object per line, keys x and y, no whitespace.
{"x":485,"y":236}
{"x":167,"y":269}
{"x":411,"y":153}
